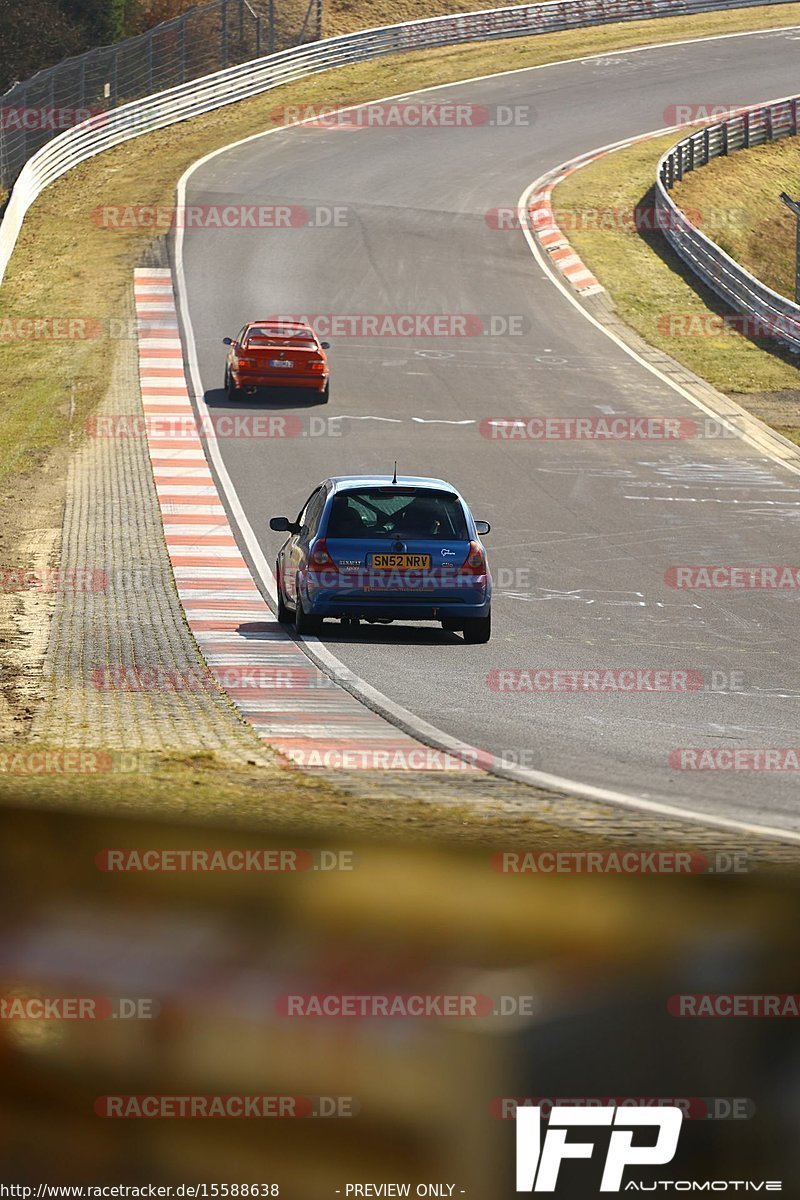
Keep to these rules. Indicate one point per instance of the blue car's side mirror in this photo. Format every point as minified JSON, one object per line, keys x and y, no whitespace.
{"x":483,"y":527}
{"x":283,"y":525}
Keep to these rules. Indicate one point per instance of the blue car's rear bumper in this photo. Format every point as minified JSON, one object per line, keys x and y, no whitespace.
{"x":397,"y":611}
{"x":424,"y":604}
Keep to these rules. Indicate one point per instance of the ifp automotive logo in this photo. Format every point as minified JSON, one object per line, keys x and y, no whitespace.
{"x":539,"y":1159}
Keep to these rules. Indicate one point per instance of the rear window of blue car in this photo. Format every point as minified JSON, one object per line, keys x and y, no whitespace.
{"x":407,"y":513}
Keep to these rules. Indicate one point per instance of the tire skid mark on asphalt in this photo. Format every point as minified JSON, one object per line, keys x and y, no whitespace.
{"x":294,"y":707}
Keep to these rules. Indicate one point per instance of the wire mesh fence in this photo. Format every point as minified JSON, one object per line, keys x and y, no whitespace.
{"x":202,"y":40}
{"x":309,"y":55}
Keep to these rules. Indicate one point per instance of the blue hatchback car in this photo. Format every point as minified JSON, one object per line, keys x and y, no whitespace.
{"x":381,"y":549}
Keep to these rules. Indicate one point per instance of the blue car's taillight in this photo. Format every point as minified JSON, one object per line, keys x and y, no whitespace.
{"x":475,"y":562}
{"x":320,"y":559}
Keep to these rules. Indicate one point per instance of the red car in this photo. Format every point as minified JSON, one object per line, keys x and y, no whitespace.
{"x":276,"y":354}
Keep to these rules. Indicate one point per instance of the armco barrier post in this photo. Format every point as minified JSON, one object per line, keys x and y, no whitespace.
{"x":794,"y":206}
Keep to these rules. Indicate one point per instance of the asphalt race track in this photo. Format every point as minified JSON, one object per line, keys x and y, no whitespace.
{"x":591,"y":527}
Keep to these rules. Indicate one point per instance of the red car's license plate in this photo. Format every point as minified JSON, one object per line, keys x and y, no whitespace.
{"x":281,"y":362}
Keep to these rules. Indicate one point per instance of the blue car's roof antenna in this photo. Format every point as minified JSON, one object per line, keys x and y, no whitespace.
{"x":394,"y":477}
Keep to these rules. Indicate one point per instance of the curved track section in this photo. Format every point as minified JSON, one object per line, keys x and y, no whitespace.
{"x":584,"y":532}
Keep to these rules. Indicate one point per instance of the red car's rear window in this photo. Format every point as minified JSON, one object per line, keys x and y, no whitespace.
{"x":289,"y":337}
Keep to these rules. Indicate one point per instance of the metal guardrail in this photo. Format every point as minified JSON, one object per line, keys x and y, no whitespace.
{"x":101,"y":132}
{"x":206,"y":38}
{"x":770,"y":313}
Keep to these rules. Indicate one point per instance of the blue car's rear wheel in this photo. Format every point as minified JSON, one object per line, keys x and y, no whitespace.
{"x":478,"y":630}
{"x":303,"y":623}
{"x":285,"y":614}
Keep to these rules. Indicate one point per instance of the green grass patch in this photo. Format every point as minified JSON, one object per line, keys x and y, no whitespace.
{"x":649,"y":284}
{"x":204,"y":789}
{"x":737,"y":199}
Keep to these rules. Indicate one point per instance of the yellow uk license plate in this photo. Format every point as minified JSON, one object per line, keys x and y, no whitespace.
{"x":395,"y":562}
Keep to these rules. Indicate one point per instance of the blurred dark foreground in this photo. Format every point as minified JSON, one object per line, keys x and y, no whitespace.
{"x":204,"y":965}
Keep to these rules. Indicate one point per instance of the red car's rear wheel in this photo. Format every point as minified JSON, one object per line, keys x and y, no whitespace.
{"x":231,"y":392}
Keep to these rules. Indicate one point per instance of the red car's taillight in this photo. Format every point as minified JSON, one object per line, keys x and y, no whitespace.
{"x":319,"y":558}
{"x":245,"y":362}
{"x":317,"y":365}
{"x":475,"y":562}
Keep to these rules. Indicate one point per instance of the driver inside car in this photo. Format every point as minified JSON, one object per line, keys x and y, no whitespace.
{"x":420,"y":519}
